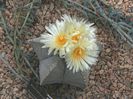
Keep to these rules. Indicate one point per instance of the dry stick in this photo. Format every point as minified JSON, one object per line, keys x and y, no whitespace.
{"x":30,"y":67}
{"x":28,"y":14}
{"x":7,"y":63}
{"x":5,"y":27}
{"x":115,"y":25}
{"x":12,"y":70}
{"x":17,"y":75}
{"x":81,"y":6}
{"x":118,"y":28}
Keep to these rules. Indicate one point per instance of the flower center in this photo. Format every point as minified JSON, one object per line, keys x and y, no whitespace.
{"x":61,"y":40}
{"x":76,"y":38}
{"x":78,"y":53}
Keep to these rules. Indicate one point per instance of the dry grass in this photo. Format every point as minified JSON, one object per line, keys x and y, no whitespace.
{"x":111,"y":77}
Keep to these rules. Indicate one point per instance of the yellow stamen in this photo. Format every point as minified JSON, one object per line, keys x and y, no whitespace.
{"x":60,"y":40}
{"x":78,"y":53}
{"x":76,"y":38}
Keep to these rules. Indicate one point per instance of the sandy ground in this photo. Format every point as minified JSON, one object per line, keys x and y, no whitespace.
{"x":111,"y":77}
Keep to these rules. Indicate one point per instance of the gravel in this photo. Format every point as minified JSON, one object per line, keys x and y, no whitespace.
{"x":112,"y":76}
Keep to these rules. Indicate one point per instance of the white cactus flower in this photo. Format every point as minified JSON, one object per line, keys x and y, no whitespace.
{"x":75,"y":40}
{"x":56,"y":39}
{"x":82,"y":55}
